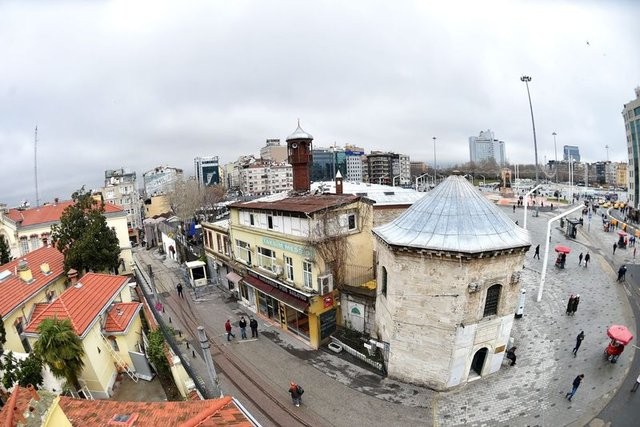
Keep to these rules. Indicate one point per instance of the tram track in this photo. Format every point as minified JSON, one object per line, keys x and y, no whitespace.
{"x":227,"y":364}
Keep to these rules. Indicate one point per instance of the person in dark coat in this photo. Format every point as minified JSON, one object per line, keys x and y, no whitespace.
{"x":615,"y":246}
{"x":576,"y":384}
{"x":511,"y":355}
{"x":253,"y":324}
{"x":243,"y":328}
{"x":580,"y":258}
{"x":579,"y":339}
{"x":574,"y":306}
{"x":296,"y":393}
{"x":587,"y":258}
{"x":537,"y":254}
{"x":179,"y":289}
{"x":570,"y":304}
{"x":622,"y":271}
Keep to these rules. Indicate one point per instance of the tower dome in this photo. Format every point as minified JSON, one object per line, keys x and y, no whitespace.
{"x":299,"y":133}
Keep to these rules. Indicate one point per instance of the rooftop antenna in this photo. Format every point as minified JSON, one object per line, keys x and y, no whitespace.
{"x":35,"y":165}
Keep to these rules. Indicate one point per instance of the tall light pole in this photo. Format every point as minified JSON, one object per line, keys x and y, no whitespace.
{"x":435,"y":164}
{"x":555,"y":148}
{"x":526,"y":80}
{"x":607,"y":148}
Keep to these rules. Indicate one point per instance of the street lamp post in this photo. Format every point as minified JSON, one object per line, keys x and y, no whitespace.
{"x":435,"y":164}
{"x":526,"y":80}
{"x":483,"y":179}
{"x":555,"y":148}
{"x":382,"y":177}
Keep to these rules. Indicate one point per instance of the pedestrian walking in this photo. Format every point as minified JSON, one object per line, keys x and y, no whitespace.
{"x":615,"y":246}
{"x":580,"y":258}
{"x":622,"y":272}
{"x":579,"y":339}
{"x":243,"y":328}
{"x":574,"y":306}
{"x":634,"y":251}
{"x":576,"y":384}
{"x":253,"y":324}
{"x":587,"y":257}
{"x":179,"y":289}
{"x":570,"y":304}
{"x":228,"y":328}
{"x":537,"y":254}
{"x":511,"y":355}
{"x":296,"y":393}
{"x":514,"y":208}
{"x":635,"y":386}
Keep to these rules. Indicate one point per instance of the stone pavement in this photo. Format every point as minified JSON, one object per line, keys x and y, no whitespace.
{"x":341,"y":392}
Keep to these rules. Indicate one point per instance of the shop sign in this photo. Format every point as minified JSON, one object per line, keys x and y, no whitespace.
{"x":327,"y":300}
{"x":279,"y":285}
{"x":288,"y":247}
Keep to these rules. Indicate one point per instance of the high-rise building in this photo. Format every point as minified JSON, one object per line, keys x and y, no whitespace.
{"x":485,"y":147}
{"x":571,"y":152}
{"x":207,"y":170}
{"x":353,"y":161}
{"x":121,"y":189}
{"x":160,"y":180}
{"x":273,"y":151}
{"x":631,"y":115}
{"x":388,"y":168}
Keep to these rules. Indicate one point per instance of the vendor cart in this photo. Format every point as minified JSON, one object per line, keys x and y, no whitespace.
{"x":620,"y":337}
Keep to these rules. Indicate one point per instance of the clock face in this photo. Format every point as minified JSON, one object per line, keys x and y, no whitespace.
{"x":294,"y":145}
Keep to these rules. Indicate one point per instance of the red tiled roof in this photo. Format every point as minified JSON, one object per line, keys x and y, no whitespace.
{"x":82,"y":303}
{"x":304,"y":204}
{"x":15,"y":291}
{"x":49,"y":213}
{"x":120,"y":315}
{"x":213,"y":412}
{"x":11,"y":414}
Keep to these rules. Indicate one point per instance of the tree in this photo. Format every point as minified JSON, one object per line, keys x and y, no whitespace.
{"x":5,"y":253}
{"x":155,"y":351}
{"x":84,"y":238}
{"x":3,"y":339}
{"x":30,"y":371}
{"x":59,"y":347}
{"x":10,"y":370}
{"x":23,"y":372}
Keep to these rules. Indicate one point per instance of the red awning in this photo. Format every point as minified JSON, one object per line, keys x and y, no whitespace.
{"x":277,"y":293}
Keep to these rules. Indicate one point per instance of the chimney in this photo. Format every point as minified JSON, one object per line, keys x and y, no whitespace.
{"x":72,"y":275}
{"x":24,"y":272}
{"x":300,"y":158}
{"x":338,"y":183}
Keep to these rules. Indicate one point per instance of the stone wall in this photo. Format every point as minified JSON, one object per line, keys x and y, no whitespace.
{"x":432,"y":317}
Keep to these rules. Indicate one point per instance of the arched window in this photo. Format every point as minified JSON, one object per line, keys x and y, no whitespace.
{"x":491,"y":303}
{"x":383,"y":280}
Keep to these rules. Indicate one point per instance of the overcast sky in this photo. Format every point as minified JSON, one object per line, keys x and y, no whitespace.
{"x":136,"y":84}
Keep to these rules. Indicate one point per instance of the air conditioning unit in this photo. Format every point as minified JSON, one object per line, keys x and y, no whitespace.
{"x":325,"y":284}
{"x":277,"y":269}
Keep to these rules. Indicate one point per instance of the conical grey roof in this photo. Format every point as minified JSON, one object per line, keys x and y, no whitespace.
{"x":454,"y":217}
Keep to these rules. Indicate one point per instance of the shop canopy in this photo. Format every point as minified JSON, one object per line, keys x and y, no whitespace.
{"x":620,"y":333}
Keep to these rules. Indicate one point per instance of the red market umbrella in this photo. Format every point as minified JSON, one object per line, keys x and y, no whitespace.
{"x":562,"y":249}
{"x":619,"y":333}
{"x":622,"y":233}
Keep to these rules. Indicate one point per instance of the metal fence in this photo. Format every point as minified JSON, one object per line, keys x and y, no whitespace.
{"x":204,"y":389}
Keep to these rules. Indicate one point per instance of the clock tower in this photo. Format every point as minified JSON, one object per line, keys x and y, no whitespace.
{"x":299,"y":156}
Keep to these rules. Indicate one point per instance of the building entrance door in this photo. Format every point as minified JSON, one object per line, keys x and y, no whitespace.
{"x":478,"y":360}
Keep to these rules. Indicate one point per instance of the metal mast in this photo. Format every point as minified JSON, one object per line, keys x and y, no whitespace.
{"x":35,"y":165}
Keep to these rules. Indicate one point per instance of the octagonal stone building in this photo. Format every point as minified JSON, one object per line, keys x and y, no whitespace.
{"x":448,"y":285}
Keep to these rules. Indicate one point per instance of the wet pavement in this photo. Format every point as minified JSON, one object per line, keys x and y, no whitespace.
{"x":340,"y":391}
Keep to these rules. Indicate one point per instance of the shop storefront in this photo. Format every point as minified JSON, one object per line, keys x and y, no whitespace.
{"x":309,"y":316}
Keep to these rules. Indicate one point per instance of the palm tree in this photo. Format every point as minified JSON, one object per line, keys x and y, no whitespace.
{"x":59,"y":347}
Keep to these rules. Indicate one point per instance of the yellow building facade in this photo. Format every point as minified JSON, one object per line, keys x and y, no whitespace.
{"x":290,"y":256}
